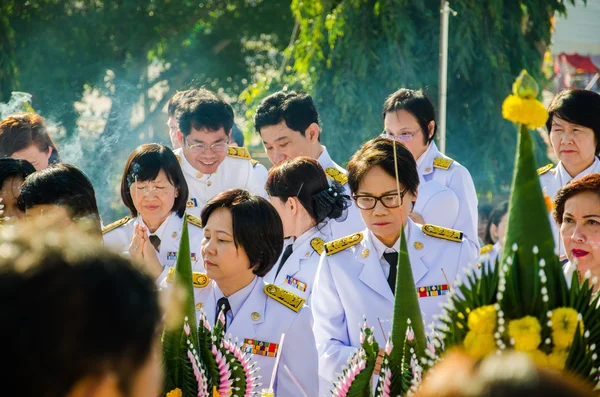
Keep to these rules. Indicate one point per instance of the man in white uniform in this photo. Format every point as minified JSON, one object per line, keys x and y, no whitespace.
{"x":209,"y":164}
{"x":288,"y":123}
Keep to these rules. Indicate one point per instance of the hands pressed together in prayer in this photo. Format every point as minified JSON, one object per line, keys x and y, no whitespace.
{"x":143,"y":252}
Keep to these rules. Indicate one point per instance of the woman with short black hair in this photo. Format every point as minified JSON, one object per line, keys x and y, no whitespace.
{"x":243,"y":237}
{"x":300,"y":192}
{"x":62,"y":191}
{"x":574,"y":129}
{"x":12,"y":174}
{"x":356,"y":278}
{"x":495,"y":233}
{"x":154,"y":190}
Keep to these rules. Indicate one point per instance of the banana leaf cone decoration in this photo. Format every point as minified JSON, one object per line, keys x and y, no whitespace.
{"x":523,"y":301}
{"x":198,"y":360}
{"x":405,"y":349}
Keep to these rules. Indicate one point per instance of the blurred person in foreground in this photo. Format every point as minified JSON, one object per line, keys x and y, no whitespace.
{"x":12,"y":174}
{"x":289,"y":126}
{"x":574,"y":129}
{"x":209,"y":164}
{"x":78,"y":321}
{"x":25,"y":136}
{"x":64,"y":192}
{"x":577,"y":212}
{"x":409,"y":118}
{"x":511,"y":374}
{"x":155,"y":191}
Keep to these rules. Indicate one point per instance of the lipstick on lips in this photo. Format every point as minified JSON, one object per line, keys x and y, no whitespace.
{"x":579,"y":253}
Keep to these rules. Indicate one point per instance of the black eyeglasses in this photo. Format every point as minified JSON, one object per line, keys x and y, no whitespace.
{"x":392,"y":200}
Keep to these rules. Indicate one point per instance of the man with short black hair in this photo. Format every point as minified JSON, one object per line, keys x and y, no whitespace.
{"x":209,"y":164}
{"x":77,"y":320}
{"x":174,"y":133}
{"x":288,"y":123}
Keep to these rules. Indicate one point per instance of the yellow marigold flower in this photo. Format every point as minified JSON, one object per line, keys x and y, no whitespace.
{"x":479,"y":345}
{"x":175,"y":393}
{"x":483,"y":319}
{"x":529,"y":112}
{"x":557,"y":359}
{"x":564,"y":323}
{"x":526,"y":333}
{"x":539,"y":357}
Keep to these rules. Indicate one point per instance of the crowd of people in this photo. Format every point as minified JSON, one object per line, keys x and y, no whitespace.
{"x":326,"y":235}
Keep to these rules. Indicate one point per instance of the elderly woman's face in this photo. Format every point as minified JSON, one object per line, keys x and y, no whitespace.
{"x":580,"y":231}
{"x":154,"y":200}
{"x":224,"y":262}
{"x":573,"y":144}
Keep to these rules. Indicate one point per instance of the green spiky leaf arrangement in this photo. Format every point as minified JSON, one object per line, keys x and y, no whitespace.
{"x":523,"y":302}
{"x":198,"y":360}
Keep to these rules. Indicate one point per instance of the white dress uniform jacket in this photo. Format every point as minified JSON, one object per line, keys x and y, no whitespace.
{"x":255,"y":318}
{"x":352,"y":284}
{"x":489,"y":254}
{"x":437,"y":204}
{"x":551,"y":180}
{"x":435,"y":166}
{"x":236,"y":171}
{"x":118,"y":235}
{"x":353,"y":222}
{"x":297,"y":274}
{"x":261,"y":174}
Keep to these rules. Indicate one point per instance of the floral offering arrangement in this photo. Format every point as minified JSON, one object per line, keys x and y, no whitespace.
{"x":200,"y":361}
{"x":522,"y":302}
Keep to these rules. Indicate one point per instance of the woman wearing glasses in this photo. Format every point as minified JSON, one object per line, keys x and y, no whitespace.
{"x":155,"y":192}
{"x":209,"y":164}
{"x":356,"y":275}
{"x":409,"y":117}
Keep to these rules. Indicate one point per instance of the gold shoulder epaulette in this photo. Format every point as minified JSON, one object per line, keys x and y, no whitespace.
{"x":200,"y":280}
{"x":254,"y":162}
{"x":544,"y":169}
{"x":486,"y":249}
{"x":442,"y":232}
{"x":116,"y":224}
{"x":442,"y":163}
{"x":194,"y":220}
{"x":342,"y":243}
{"x":284,"y":297}
{"x":336,"y":175}
{"x":238,"y":152}
{"x":178,"y":157}
{"x":318,"y":244}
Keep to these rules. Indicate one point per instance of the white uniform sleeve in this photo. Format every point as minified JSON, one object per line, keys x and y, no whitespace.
{"x":462,"y":184}
{"x":253,"y":184}
{"x":260,"y":176}
{"x":330,"y":327}
{"x":299,"y":355}
{"x":438,"y":206}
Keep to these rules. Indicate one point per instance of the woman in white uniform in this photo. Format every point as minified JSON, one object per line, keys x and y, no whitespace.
{"x":409,"y":117}
{"x":495,"y":232}
{"x":574,"y":128}
{"x":356,"y":276}
{"x":243,"y":237}
{"x":578,"y":216}
{"x":300,"y":192}
{"x":154,"y":190}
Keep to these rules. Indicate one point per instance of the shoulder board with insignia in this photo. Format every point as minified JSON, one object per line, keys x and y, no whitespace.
{"x":178,"y":157}
{"x":342,"y":243}
{"x":238,"y":152}
{"x":200,"y":280}
{"x":194,"y":220}
{"x":544,"y":169}
{"x":318,"y":245}
{"x":486,"y":249}
{"x":336,"y":175}
{"x":254,"y":162}
{"x":286,"y":298}
{"x":442,"y":232}
{"x":114,"y":225}
{"x":442,"y":163}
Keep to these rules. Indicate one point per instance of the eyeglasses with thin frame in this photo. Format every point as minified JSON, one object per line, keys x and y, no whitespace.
{"x":220,"y":147}
{"x":400,"y":138}
{"x":391,"y":200}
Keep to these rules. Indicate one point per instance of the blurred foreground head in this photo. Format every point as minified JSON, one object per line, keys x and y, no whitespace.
{"x":510,"y":374}
{"x":76,"y":320}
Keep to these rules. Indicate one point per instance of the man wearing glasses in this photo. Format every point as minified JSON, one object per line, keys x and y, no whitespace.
{"x":209,"y":164}
{"x":409,"y":118}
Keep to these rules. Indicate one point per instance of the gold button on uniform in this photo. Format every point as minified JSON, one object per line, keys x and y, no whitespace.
{"x":428,"y":169}
{"x":199,"y":306}
{"x":174,"y":235}
{"x":208,"y":183}
{"x":418,"y":245}
{"x":199,"y":175}
{"x":255,"y":316}
{"x":365,"y":253}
